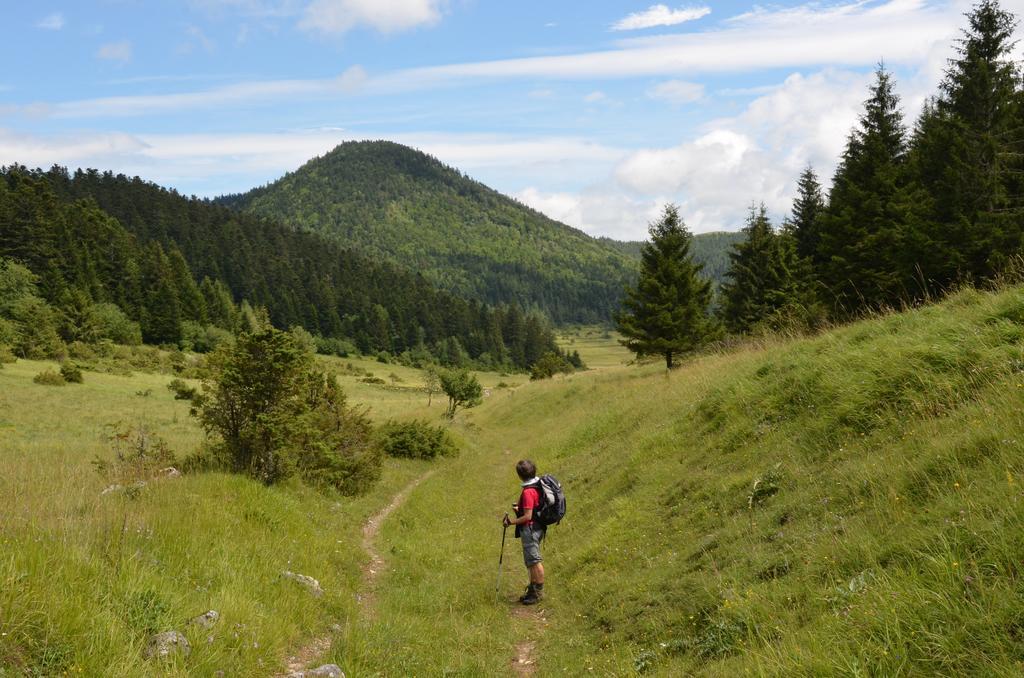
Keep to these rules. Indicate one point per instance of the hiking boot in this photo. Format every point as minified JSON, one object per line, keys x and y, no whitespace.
{"x":533,"y":595}
{"x":529,"y":592}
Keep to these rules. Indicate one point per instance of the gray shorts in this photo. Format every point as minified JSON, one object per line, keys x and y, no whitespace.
{"x":532,"y":536}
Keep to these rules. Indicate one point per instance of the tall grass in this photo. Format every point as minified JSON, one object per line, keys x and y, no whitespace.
{"x":85,"y":579}
{"x":846,"y":504}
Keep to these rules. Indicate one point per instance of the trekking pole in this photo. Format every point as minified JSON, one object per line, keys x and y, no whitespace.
{"x":497,"y":584}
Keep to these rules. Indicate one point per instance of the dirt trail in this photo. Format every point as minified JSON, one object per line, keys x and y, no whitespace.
{"x":525,"y":661}
{"x":372,"y":570}
{"x":318,"y":646}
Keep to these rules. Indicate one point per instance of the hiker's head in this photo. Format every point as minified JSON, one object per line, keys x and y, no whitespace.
{"x":526,"y":469}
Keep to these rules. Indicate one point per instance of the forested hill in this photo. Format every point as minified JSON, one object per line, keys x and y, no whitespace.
{"x":172,"y":263}
{"x":391,"y":200}
{"x":711,"y":250}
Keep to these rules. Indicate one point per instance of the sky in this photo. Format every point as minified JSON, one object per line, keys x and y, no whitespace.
{"x":595,"y":112}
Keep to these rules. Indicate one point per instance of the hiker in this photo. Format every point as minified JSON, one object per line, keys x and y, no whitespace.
{"x":528,"y":530}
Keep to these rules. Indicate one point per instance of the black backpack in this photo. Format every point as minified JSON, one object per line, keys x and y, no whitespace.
{"x":551,"y":509}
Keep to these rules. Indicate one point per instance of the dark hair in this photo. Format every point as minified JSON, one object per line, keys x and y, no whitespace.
{"x":526,"y":469}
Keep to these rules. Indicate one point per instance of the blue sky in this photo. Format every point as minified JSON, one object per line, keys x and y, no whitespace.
{"x":595,"y":112}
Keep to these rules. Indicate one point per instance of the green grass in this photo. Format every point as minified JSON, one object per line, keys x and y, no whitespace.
{"x":85,"y":579}
{"x":599,"y":348}
{"x":847,"y":504}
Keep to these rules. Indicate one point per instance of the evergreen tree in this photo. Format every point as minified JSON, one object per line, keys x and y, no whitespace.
{"x":967,"y":153}
{"x":863,"y":230}
{"x":803,"y":224}
{"x":769,"y":284}
{"x":666,"y":313}
{"x":161,"y":319}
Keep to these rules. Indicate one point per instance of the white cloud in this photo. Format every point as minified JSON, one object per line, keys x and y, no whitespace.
{"x":600,"y":210}
{"x":115,"y":51}
{"x":212,"y":163}
{"x":246,"y":92}
{"x":596,"y":96}
{"x":854,"y":34}
{"x":677,"y":91}
{"x":659,"y":15}
{"x":755,"y":156}
{"x":857,"y":35}
{"x":564,"y":207}
{"x":51,"y":22}
{"x":333,"y":17}
{"x":196,"y":39}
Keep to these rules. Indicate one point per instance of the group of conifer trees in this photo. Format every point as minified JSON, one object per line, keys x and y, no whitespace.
{"x":911,"y":214}
{"x":189,"y":273}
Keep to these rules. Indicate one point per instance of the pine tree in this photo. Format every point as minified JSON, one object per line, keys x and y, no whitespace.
{"x":666,"y":313}
{"x":863,"y":230}
{"x":803,"y":224}
{"x":161,"y":318}
{"x":967,"y":153}
{"x":758,"y":280}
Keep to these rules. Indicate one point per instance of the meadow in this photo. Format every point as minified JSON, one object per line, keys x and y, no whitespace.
{"x":843,"y":504}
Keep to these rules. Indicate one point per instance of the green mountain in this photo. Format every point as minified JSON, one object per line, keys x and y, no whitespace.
{"x":709,"y":249}
{"x":401,"y":204}
{"x":171,"y":262}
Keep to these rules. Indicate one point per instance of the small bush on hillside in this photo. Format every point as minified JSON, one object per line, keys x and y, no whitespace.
{"x":415,"y":440}
{"x":271,"y":414}
{"x":138,"y":454}
{"x":334,"y":346}
{"x":49,"y":378}
{"x":548,"y":365}
{"x":71,"y":373}
{"x":7,"y":355}
{"x":372,"y":380}
{"x":181,"y":390}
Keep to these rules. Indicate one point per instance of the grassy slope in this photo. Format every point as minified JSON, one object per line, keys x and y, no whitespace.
{"x":885,"y":538}
{"x":891,"y":544}
{"x":77,"y":596}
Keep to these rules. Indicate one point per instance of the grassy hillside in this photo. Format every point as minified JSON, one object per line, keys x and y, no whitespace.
{"x":844,"y":505}
{"x":85,"y":579}
{"x":848,"y":504}
{"x":396,"y":202}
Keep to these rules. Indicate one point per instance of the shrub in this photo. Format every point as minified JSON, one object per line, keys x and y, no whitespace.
{"x":372,"y":380}
{"x":548,"y":365}
{"x":7,"y":355}
{"x":49,"y":378}
{"x":271,"y":415}
{"x":113,"y":325}
{"x":138,"y":454}
{"x":415,"y":440}
{"x":181,"y":390}
{"x":71,"y":373}
{"x":202,"y":338}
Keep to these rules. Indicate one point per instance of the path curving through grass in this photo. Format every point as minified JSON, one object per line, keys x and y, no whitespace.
{"x":318,"y":646}
{"x":373,"y":568}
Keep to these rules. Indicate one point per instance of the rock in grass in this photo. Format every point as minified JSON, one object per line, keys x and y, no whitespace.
{"x":166,"y":644}
{"x":169,"y":472}
{"x":205,"y":620}
{"x":312,"y":584}
{"x":325,"y":671}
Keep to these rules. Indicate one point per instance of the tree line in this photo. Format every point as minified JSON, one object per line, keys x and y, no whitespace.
{"x":911,"y":214}
{"x":187,"y":272}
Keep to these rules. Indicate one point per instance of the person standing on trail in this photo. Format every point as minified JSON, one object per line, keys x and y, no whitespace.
{"x":529,"y":531}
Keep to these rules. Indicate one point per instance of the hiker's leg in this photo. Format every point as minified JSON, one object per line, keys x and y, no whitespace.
{"x":537,"y":573}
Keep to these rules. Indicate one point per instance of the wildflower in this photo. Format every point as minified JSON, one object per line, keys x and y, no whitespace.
{"x":956,"y":485}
